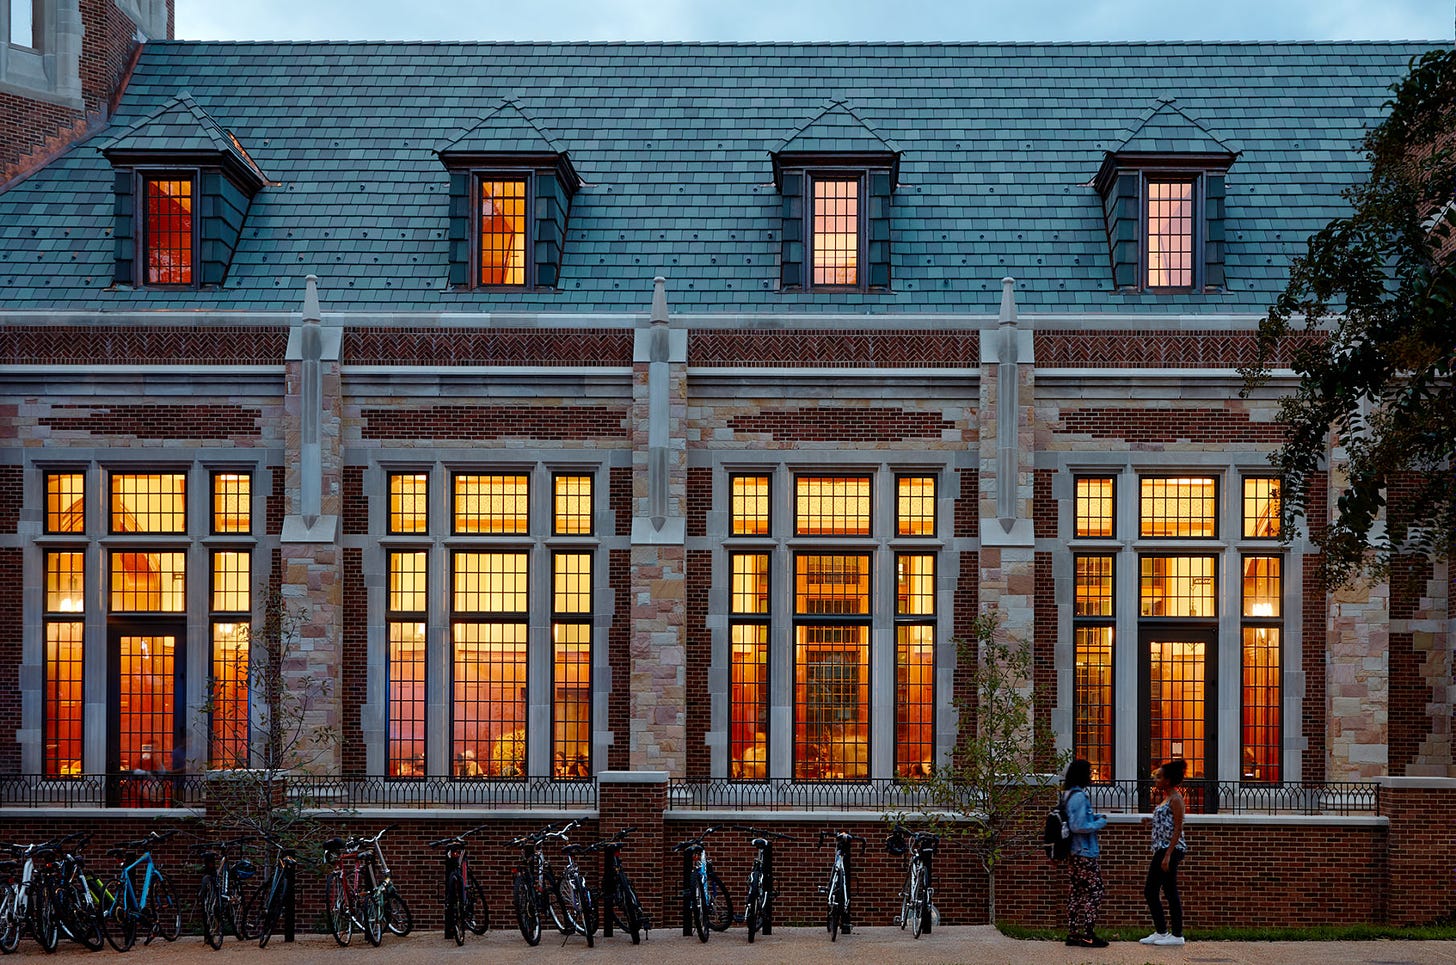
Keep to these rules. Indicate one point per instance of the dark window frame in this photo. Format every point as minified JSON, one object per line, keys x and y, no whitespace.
{"x":1218,"y":520}
{"x":931,"y":620}
{"x":1194,"y":177}
{"x":1099,"y":621}
{"x":869,"y":476}
{"x":144,"y":176}
{"x":866,"y":620}
{"x":1245,"y":478}
{"x":812,"y":176}
{"x":1277,"y":623}
{"x":934,"y":478}
{"x":212,"y":475}
{"x":1112,"y":520}
{"x":526,"y":175}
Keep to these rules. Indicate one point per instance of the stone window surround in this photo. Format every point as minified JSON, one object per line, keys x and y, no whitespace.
{"x":97,"y":544}
{"x":1126,"y":547}
{"x":439,"y":543}
{"x":51,"y":71}
{"x":884,"y":468}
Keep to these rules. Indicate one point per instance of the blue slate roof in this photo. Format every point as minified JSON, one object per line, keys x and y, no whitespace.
{"x":506,"y":130}
{"x":673,"y":141}
{"x":836,"y":128}
{"x":1167,"y":130}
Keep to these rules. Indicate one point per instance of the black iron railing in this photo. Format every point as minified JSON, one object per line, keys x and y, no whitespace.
{"x":197,"y":791}
{"x":1127,"y":797}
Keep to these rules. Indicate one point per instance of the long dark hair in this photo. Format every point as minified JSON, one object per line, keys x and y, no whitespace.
{"x":1079,"y":774}
{"x":1175,"y":771}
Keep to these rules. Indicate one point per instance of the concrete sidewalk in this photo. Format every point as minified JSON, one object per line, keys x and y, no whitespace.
{"x":793,"y":946}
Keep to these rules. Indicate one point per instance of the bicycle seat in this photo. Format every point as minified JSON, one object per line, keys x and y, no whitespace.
{"x":759,"y":842}
{"x":334,"y":845}
{"x":573,"y":849}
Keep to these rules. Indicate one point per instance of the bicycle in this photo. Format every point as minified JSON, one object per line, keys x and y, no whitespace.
{"x":220,"y":895}
{"x":77,"y":896}
{"x":29,"y":901}
{"x":711,"y":909}
{"x":350,"y":903}
{"x":917,"y":907}
{"x":465,"y":906}
{"x":154,"y":909}
{"x":395,"y":910}
{"x":577,"y":899}
{"x":534,"y":887}
{"x":266,"y":905}
{"x":838,"y":888}
{"x":762,"y":890}
{"x":619,"y":898}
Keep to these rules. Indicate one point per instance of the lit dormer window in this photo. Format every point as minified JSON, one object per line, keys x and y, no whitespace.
{"x":836,"y":244}
{"x":502,"y":230}
{"x":169,"y":243}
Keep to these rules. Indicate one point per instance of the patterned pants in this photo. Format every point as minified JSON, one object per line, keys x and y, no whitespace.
{"x":1085,"y":899}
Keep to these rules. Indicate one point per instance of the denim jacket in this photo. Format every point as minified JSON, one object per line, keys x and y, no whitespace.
{"x":1085,"y":824}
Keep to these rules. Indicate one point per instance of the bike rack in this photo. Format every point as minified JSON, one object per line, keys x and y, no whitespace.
{"x":768,"y":880}
{"x":928,"y":858}
{"x":450,"y":865}
{"x":290,"y":905}
{"x":609,"y":890}
{"x":687,"y":892}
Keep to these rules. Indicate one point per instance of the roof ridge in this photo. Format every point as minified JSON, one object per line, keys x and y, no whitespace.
{"x":809,"y":43}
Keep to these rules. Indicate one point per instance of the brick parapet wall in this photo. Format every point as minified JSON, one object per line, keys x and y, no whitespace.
{"x":143,"y":345}
{"x":1422,"y":849}
{"x":575,"y":347}
{"x":846,"y":348}
{"x":1157,"y":349}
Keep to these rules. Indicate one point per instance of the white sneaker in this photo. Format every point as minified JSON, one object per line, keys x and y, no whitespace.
{"x":1153,"y":938}
{"x":1168,"y":940}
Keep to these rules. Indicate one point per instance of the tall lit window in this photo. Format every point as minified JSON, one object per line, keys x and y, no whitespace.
{"x":1178,"y":586}
{"x":1184,"y":507}
{"x":490,"y":604}
{"x":168,"y":240}
{"x":65,"y":603}
{"x":1262,"y":707}
{"x":749,"y":505}
{"x":502,"y":231}
{"x":571,"y":637}
{"x":154,"y":582}
{"x":146,"y":710}
{"x":409,"y":502}
{"x":914,"y":665}
{"x":915,"y":506}
{"x":232,"y":503}
{"x":1169,"y":233}
{"x":831,"y":666}
{"x":1261,"y":507}
{"x":231,"y":613}
{"x":832,"y":506}
{"x":494,"y":505}
{"x":405,"y":624}
{"x":748,"y":721}
{"x":573,"y":505}
{"x":1094,"y":518}
{"x":65,"y":502}
{"x":1092,"y":694}
{"x":151,"y":503}
{"x":835,"y":240}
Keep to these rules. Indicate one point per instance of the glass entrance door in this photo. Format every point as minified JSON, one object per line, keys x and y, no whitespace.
{"x":148,"y":701}
{"x":1178,"y":696}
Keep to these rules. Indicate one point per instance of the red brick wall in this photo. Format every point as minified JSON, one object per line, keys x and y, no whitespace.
{"x":12,"y":497}
{"x":548,"y":347}
{"x":967,"y":505}
{"x":1422,"y":853}
{"x":830,"y":349}
{"x":144,"y":345}
{"x":354,"y":674}
{"x":639,"y":806}
{"x":1171,"y":425}
{"x":11,"y":625}
{"x":1315,"y":608}
{"x":1157,"y":349}
{"x":699,"y":499}
{"x":356,"y":505}
{"x":699,"y":655}
{"x":557,"y":423}
{"x":33,"y":130}
{"x":1044,"y":650}
{"x":1043,"y":506}
{"x":849,"y":425}
{"x":619,"y":498}
{"x":619,"y":656}
{"x":200,"y":421}
{"x":275,"y":504}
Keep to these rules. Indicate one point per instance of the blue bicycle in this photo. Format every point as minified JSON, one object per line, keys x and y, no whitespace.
{"x":711,"y":908}
{"x":153,"y":909}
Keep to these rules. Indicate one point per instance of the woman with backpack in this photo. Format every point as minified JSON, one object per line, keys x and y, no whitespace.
{"x":1085,"y":899}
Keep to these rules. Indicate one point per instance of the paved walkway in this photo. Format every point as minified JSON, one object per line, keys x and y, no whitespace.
{"x":967,"y":945}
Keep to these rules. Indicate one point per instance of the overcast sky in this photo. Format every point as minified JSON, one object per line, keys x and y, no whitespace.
{"x":1048,"y":20}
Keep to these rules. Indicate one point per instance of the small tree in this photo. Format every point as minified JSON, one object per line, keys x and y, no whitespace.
{"x":249,"y":791}
{"x":998,"y":771}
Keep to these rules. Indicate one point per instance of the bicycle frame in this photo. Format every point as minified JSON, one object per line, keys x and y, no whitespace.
{"x":129,"y":897}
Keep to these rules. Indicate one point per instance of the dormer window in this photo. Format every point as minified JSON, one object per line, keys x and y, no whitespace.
{"x":1168,"y":230}
{"x":502,"y":230}
{"x":836,"y":243}
{"x":169,"y":244}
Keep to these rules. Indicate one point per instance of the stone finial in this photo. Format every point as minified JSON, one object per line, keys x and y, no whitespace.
{"x":1008,"y":301}
{"x":311,"y":311}
{"x":659,"y":301}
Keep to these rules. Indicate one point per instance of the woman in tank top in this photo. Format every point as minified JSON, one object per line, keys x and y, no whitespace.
{"x":1169,"y":846}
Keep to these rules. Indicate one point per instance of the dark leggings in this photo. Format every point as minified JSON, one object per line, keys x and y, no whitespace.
{"x":1167,"y":883}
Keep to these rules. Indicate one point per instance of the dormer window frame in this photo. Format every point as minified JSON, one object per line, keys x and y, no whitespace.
{"x":144,"y":175}
{"x":478,"y":176}
{"x":876,"y":175}
{"x":813,"y":177}
{"x":1193,"y":177}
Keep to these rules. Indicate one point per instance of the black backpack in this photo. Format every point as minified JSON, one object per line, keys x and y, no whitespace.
{"x":1056,"y":834}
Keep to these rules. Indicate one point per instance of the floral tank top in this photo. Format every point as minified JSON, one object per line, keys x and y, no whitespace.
{"x":1163,"y":829}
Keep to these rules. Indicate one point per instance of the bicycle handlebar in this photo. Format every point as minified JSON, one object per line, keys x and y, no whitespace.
{"x":760,"y":832}
{"x":684,"y":845}
{"x":458,"y":839}
{"x":836,"y":835}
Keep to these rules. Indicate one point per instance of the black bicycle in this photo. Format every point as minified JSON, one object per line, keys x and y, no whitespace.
{"x":220,"y":895}
{"x":917,"y":908}
{"x":465,"y":906}
{"x":711,"y":909}
{"x":762,"y":890}
{"x":618,"y":896}
{"x":576,"y":896}
{"x":838,"y":888}
{"x":268,"y":904}
{"x":80,"y":911}
{"x":534,"y":888}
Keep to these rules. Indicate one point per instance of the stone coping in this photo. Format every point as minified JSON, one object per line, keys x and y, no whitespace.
{"x":632,"y":777}
{"x":1418,"y":783}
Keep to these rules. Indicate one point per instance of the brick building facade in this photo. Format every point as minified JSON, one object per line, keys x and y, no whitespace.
{"x":680,"y":422}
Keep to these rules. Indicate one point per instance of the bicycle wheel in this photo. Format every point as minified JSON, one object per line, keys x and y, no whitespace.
{"x":165,"y":910}
{"x":917,"y":902}
{"x":750,"y":910}
{"x":720,"y":906}
{"x":121,"y":925}
{"x":588,"y":911}
{"x":85,"y":914}
{"x":397,"y":915}
{"x":836,"y":904}
{"x":627,"y":910}
{"x":207,"y":905}
{"x":43,"y":923}
{"x":528,"y":913}
{"x":477,"y":912}
{"x":263,"y":910}
{"x":569,"y":893}
{"x":551,"y":898}
{"x":341,"y":918}
{"x":371,"y":916}
{"x":9,"y":923}
{"x":700,"y":910}
{"x":455,"y":909}
{"x":906,"y":896}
